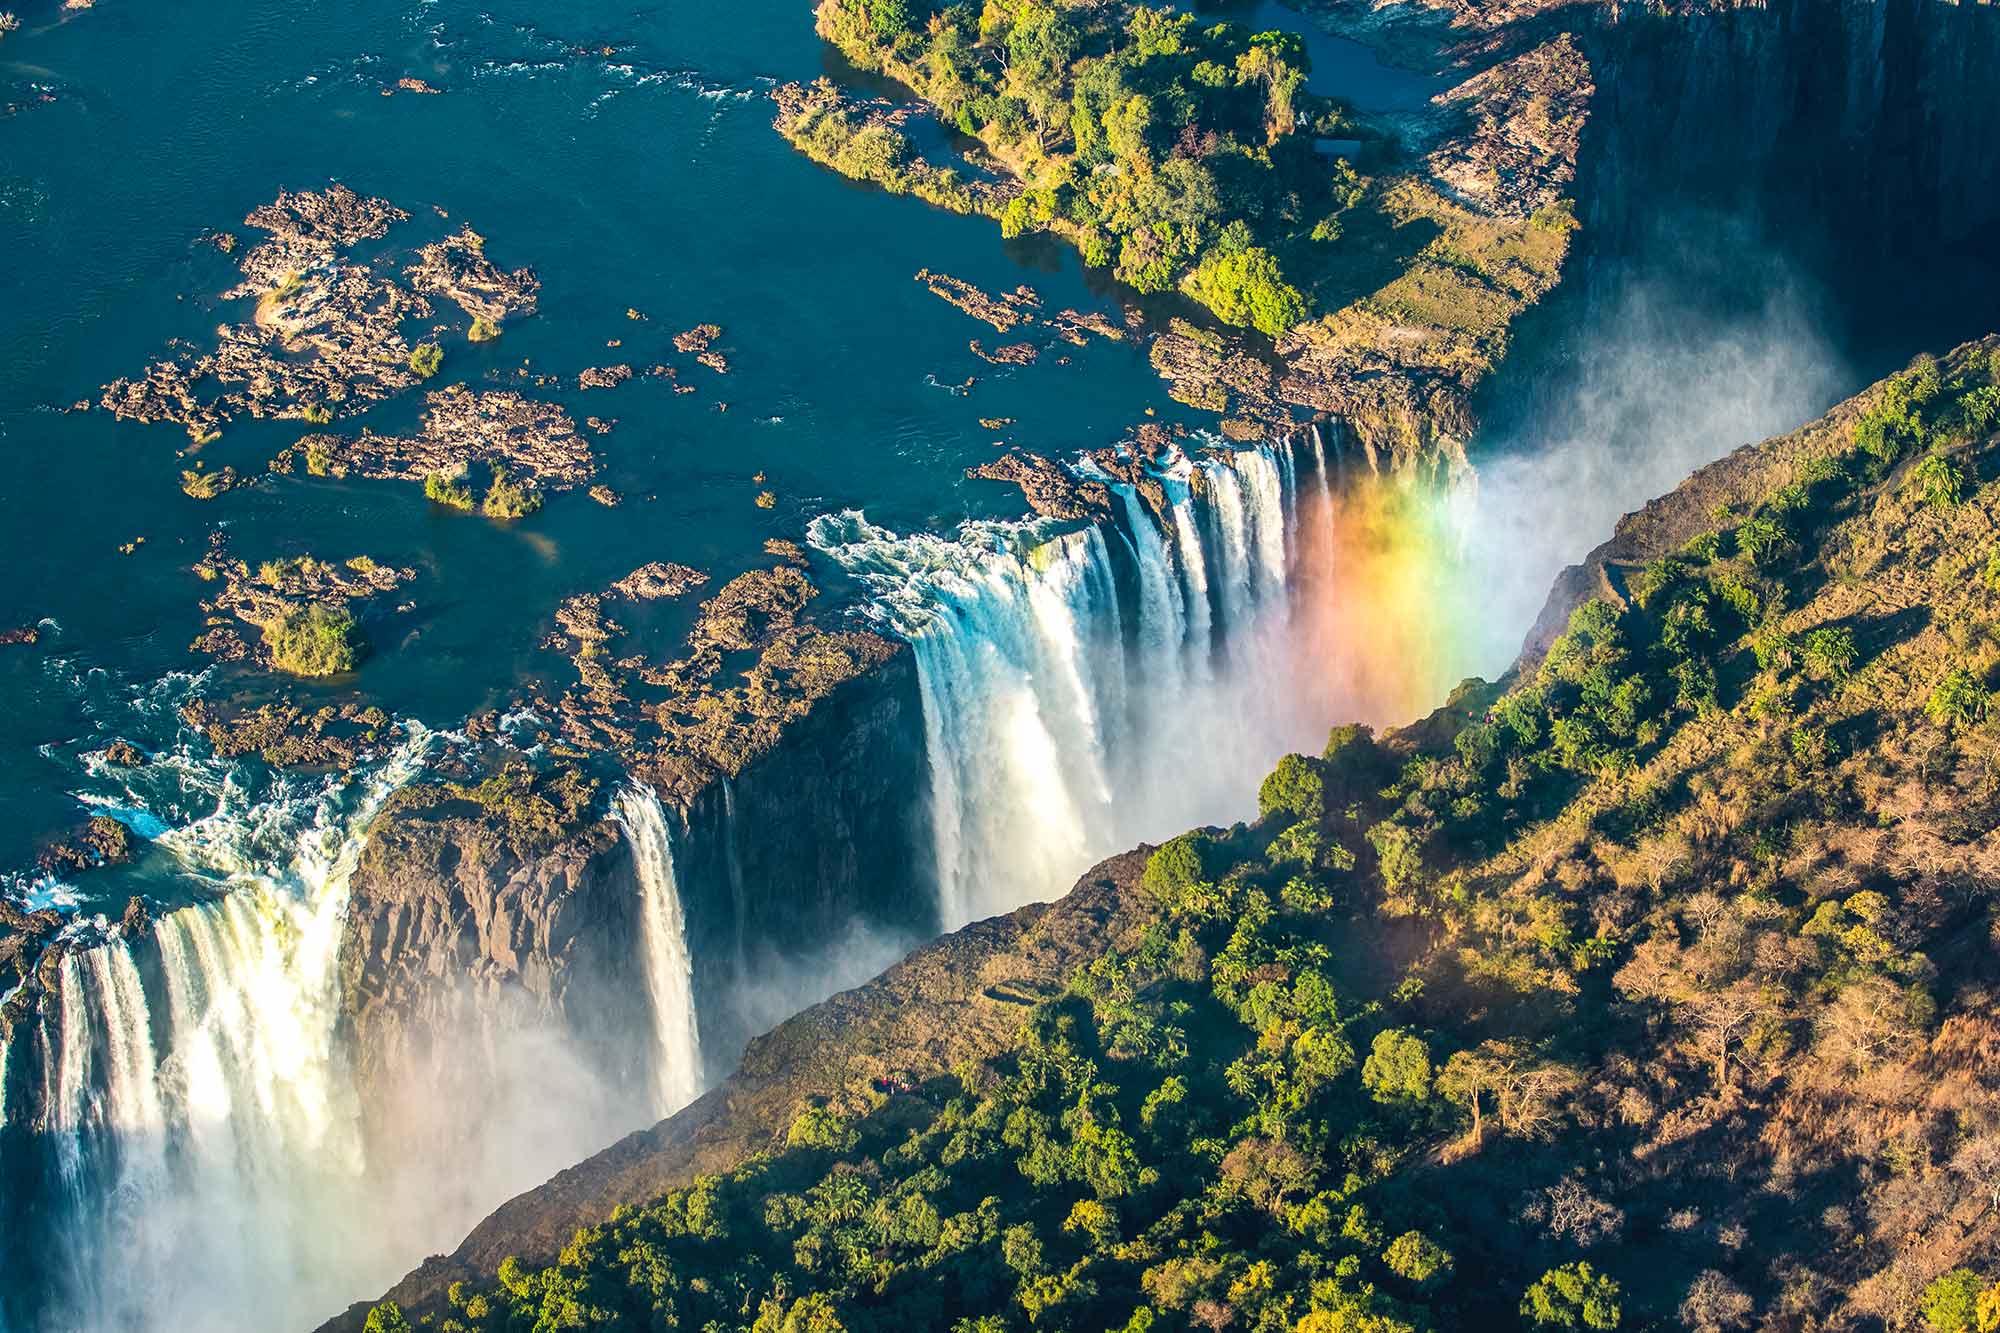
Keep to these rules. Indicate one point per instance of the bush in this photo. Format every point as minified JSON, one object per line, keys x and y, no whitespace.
{"x":315,"y":640}
{"x":1573,"y":1296}
{"x":1294,"y":788}
{"x":510,"y":499}
{"x":1959,"y":699}
{"x":448,"y":491}
{"x":1939,"y":482}
{"x":426,"y":359}
{"x":483,"y":330}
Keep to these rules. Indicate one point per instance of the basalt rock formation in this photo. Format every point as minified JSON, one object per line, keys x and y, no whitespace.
{"x":478,"y":911}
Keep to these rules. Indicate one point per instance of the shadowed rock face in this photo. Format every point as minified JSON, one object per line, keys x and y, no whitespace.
{"x":957,"y":998}
{"x":452,"y":926}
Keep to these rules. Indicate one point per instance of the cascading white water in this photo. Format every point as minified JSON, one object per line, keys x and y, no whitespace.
{"x":1065,"y":718}
{"x":208,"y":1180}
{"x":677,"y":1075}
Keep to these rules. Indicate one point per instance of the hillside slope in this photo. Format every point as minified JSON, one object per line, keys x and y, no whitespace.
{"x":1653,"y":990}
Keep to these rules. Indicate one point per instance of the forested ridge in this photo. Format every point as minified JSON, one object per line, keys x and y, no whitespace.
{"x":1651,"y":987}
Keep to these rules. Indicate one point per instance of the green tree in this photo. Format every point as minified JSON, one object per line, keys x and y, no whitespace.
{"x":1951,"y":1303}
{"x":1246,"y":288}
{"x":1294,"y":788}
{"x":1398,"y":1068}
{"x":1573,"y":1296}
{"x":426,"y":359}
{"x":1418,"y":1259}
{"x":387,"y":1317}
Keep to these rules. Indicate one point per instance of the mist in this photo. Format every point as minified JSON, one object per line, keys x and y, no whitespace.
{"x":1715,"y":342}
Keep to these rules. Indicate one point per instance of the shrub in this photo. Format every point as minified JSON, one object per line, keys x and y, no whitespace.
{"x":483,"y":330}
{"x":1573,"y":1296}
{"x":448,"y":491}
{"x":1939,"y":482}
{"x":426,"y":359}
{"x":1830,"y":653}
{"x":1294,"y":788}
{"x":510,"y":499}
{"x":1958,"y":699}
{"x":315,"y":640}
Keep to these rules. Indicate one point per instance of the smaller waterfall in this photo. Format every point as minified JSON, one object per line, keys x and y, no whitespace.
{"x":669,"y":967}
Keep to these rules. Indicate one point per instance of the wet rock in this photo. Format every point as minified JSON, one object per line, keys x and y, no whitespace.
{"x":658,"y":580}
{"x":327,"y":334}
{"x":1079,"y":326}
{"x":603,"y":377}
{"x":1003,"y":312}
{"x":457,"y":269}
{"x":124,"y":754}
{"x":1052,"y":490}
{"x":697,"y":339}
{"x":103,"y":841}
{"x":207,"y":485}
{"x":1014,"y":354}
{"x":461,"y":428}
{"x":285,"y":735}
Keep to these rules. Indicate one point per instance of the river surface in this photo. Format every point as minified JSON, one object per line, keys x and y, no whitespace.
{"x":190,"y":1157}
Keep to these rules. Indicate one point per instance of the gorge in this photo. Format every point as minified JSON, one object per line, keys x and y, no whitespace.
{"x":409,"y":993}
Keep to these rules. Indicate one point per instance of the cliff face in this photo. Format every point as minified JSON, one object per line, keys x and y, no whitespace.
{"x":817,"y":844}
{"x":958,"y":998}
{"x":1866,"y":118}
{"x":464,"y":926}
{"x":454,"y":931}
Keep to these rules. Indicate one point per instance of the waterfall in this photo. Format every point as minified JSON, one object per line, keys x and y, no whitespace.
{"x":1069,"y":710}
{"x":677,"y":1075}
{"x":216,"y":1179}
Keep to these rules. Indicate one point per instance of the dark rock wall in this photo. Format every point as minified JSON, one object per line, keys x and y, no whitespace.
{"x":1859,"y":132}
{"x":811,"y":851}
{"x":456,"y":941}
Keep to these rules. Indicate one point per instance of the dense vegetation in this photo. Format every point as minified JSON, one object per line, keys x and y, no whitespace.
{"x":1176,"y":151}
{"x":318,"y":639}
{"x":1651,"y":988}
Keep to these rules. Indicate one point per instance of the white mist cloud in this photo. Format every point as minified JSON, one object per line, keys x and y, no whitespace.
{"x":1714,"y":343}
